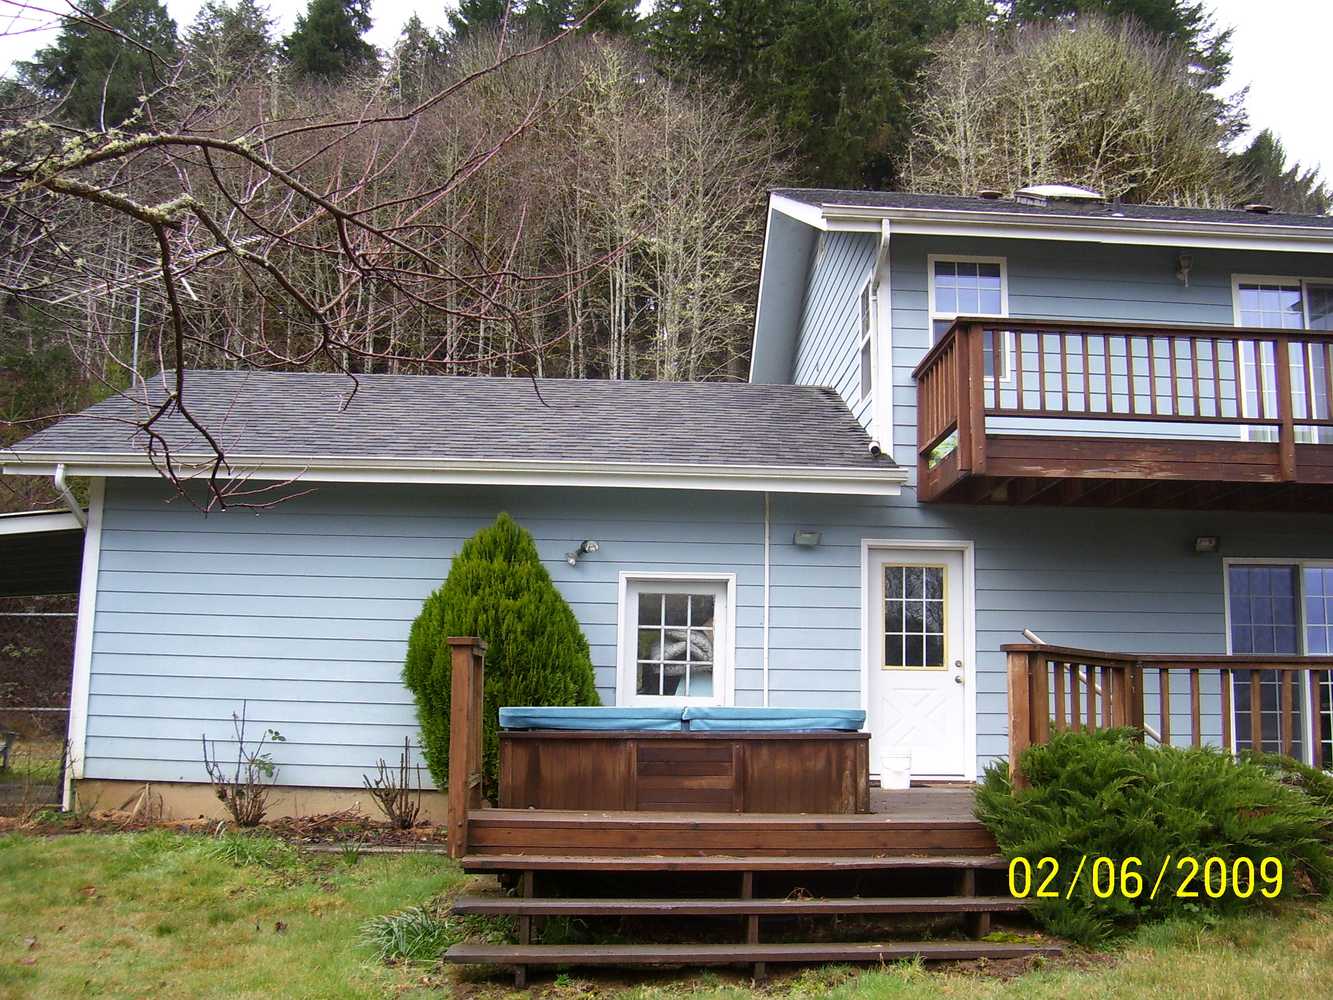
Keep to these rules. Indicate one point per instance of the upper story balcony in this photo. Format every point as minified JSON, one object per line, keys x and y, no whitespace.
{"x":1094,"y":414}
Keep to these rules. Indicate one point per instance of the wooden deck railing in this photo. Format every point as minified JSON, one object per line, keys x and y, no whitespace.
{"x":467,"y":686}
{"x":1059,"y":688}
{"x":1228,"y":378}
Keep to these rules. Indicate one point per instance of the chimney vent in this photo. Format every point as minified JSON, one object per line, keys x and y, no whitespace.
{"x":989,"y":194}
{"x":1259,"y":208}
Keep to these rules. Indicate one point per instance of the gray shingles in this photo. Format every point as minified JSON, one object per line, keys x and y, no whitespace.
{"x":301,"y":416}
{"x":819,"y":197}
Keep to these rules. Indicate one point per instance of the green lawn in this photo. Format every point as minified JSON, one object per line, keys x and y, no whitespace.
{"x":167,"y":915}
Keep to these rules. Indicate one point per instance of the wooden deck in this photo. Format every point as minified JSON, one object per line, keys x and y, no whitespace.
{"x":1117,"y":415}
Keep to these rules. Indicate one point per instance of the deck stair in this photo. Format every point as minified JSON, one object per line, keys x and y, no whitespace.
{"x":957,"y":874}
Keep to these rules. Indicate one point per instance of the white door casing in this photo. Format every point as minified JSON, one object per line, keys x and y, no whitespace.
{"x":919,"y":643}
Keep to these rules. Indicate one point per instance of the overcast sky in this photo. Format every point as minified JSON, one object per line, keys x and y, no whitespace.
{"x":1280,"y":52}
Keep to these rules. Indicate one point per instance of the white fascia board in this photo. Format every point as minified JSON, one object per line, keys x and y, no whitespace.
{"x":1082,"y":229}
{"x":25,"y":523}
{"x":811,"y":215}
{"x":758,"y":479}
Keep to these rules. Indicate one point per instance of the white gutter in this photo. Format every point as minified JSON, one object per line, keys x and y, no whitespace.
{"x":861,"y":481}
{"x":59,"y":481}
{"x":1079,"y":228}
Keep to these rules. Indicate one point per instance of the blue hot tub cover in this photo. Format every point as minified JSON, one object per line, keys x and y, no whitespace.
{"x":592,"y":717}
{"x":719,"y":719}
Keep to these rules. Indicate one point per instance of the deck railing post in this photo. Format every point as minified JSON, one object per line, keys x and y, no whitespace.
{"x":975,"y":399}
{"x":1020,"y":718}
{"x":466,"y":691}
{"x":962,"y":352}
{"x":1286,"y":436}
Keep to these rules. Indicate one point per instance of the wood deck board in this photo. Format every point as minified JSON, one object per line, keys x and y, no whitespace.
{"x":509,"y":905}
{"x":723,"y":862}
{"x":738,"y":954}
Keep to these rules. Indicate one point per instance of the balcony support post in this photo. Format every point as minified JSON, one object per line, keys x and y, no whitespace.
{"x":1286,"y":438}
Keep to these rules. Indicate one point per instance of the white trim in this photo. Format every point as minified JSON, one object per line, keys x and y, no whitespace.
{"x":866,"y":331}
{"x":932,"y":314}
{"x":1300,"y":565}
{"x":811,"y":215}
{"x":759,"y":298}
{"x":1077,"y":228}
{"x":882,"y":409}
{"x":36,"y":521}
{"x":767,"y":592}
{"x":83,"y":639}
{"x":724,"y":665}
{"x":968,"y":551}
{"x":500,"y":472}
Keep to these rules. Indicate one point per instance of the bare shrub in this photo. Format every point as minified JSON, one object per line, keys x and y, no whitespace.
{"x":393,"y":792}
{"x":245,"y":791}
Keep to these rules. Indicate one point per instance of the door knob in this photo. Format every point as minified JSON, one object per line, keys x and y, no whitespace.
{"x":958,"y":679}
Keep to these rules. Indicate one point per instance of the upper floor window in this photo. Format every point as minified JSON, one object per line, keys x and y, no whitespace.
{"x":970,"y":286}
{"x":1284,"y":303}
{"x":868,"y":306}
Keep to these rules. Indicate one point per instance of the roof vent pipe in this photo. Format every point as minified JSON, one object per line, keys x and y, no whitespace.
{"x":989,"y":194}
{"x":1259,"y":208}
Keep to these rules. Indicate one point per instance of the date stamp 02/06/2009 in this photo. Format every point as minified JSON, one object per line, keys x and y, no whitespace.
{"x":1186,"y":877}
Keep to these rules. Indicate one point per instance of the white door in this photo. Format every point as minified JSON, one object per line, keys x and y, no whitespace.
{"x":918,"y":683}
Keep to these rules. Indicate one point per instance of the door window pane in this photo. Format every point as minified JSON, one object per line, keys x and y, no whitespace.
{"x":1264,"y":612}
{"x":914,"y":617}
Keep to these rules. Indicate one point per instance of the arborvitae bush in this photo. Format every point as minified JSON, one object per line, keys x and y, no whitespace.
{"x":1106,"y":794}
{"x":536,"y":653}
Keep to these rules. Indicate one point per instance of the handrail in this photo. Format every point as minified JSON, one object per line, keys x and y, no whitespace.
{"x":1274,"y":384}
{"x":467,"y":685}
{"x":1053,"y":687}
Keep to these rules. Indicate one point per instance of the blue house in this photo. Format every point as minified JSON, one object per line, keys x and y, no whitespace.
{"x":971,"y":423}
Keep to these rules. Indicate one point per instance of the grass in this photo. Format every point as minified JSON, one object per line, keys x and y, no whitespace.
{"x":33,"y":763}
{"x":167,"y":915}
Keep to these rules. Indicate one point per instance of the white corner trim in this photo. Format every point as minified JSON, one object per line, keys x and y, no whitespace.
{"x":968,"y":550}
{"x":881,"y":414}
{"x":859,"y":481}
{"x":767,"y":592}
{"x":83,"y":638}
{"x":624,"y":668}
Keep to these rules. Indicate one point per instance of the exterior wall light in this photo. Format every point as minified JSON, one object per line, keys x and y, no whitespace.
{"x":1206,"y":544}
{"x":586,"y":547}
{"x":805,"y":538}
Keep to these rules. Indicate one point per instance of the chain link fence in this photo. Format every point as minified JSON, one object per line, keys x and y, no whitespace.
{"x":36,"y":664}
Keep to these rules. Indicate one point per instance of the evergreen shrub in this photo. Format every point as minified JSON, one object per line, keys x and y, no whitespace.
{"x":1106,"y":794}
{"x":498,"y":589}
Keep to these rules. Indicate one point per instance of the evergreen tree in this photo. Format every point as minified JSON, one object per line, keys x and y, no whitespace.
{"x":839,"y":73}
{"x":1268,"y":179}
{"x":229,"y":41}
{"x":99,"y":75}
{"x":1186,"y":23}
{"x":536,"y":654}
{"x":326,"y":42}
{"x":472,"y":15}
{"x":545,"y":18}
{"x":418,"y":62}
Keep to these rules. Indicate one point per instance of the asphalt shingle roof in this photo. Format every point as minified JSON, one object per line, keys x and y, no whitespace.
{"x":306,"y":415}
{"x":819,"y":197}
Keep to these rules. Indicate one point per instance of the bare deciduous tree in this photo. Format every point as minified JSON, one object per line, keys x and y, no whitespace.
{"x":1094,"y":102}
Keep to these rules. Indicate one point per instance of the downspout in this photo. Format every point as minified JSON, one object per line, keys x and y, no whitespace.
{"x":68,"y":497}
{"x":766,"y":603}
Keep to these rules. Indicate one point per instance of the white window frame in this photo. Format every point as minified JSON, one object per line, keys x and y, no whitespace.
{"x":1300,"y":565}
{"x":724,"y":639}
{"x":866,"y":336}
{"x":1007,"y":351}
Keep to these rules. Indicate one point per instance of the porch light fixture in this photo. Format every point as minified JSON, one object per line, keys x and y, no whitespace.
{"x":586,"y":547}
{"x":1206,"y":544}
{"x":1183,"y":265}
{"x":806,"y":538}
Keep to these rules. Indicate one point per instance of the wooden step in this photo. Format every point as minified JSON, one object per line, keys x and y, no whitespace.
{"x":728,"y":863}
{"x":514,"y":906}
{"x":737,"y":954}
{"x":551,"y":832}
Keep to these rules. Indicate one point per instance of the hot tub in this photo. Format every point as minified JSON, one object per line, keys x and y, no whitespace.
{"x":696,"y":759}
